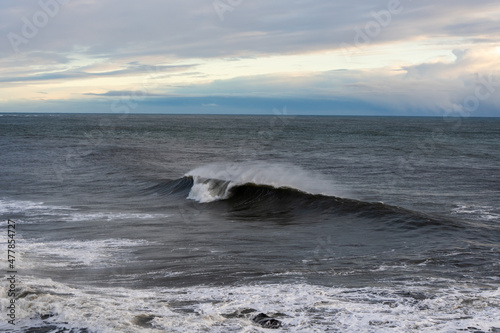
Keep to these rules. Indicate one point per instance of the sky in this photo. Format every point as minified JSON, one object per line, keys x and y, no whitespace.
{"x":324,"y":57}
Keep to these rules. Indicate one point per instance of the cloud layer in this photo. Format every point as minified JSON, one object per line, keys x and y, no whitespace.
{"x":396,"y":56}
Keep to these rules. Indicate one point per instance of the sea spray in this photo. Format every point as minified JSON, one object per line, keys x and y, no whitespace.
{"x":214,"y":181}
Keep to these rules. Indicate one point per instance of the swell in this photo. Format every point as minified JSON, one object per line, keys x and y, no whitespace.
{"x":252,"y":201}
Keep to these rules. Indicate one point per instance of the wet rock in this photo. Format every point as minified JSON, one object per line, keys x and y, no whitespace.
{"x":265,"y":321}
{"x":47,"y":316}
{"x":144,"y":321}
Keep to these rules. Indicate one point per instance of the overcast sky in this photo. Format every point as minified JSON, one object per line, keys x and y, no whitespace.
{"x":366,"y":57}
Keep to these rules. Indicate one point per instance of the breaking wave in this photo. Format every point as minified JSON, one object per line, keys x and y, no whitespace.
{"x":216,"y":181}
{"x":260,"y":191}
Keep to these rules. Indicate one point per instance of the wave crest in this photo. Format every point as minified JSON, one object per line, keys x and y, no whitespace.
{"x":214,"y":182}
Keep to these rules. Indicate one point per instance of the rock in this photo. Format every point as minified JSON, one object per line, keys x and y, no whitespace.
{"x":47,"y":316}
{"x":144,"y":321}
{"x":265,"y":321}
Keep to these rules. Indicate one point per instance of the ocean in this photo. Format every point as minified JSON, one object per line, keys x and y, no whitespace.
{"x":197,"y":223}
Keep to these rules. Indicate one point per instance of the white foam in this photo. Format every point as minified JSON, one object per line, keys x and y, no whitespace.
{"x":276,"y":175}
{"x":306,"y":308}
{"x":25,"y":206}
{"x":109,"y":216}
{"x":38,"y":210}
{"x":208,"y":190}
{"x":487,"y":213}
{"x":73,"y":253}
{"x":100,"y":310}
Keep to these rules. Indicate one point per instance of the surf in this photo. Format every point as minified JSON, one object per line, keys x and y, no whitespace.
{"x":215,"y":181}
{"x":285,"y":193}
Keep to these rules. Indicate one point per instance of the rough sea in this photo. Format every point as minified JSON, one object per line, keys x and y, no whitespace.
{"x":170,"y":223}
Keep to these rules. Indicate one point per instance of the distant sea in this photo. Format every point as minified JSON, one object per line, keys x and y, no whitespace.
{"x":170,"y":223}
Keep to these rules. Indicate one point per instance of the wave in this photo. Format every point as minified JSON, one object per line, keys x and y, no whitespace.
{"x":263,"y":202}
{"x":215,"y":181}
{"x":282,"y":193}
{"x":178,"y":187}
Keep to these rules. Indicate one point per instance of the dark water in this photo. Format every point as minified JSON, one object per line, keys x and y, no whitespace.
{"x":192,"y":223}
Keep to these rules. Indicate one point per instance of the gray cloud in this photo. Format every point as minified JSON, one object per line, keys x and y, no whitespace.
{"x":192,"y":28}
{"x":82,"y":73}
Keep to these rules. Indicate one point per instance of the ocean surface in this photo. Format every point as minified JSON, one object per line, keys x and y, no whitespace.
{"x":168,"y":223}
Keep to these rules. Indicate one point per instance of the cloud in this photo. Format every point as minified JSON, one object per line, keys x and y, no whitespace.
{"x":132,"y":69}
{"x":122,"y":93}
{"x":188,"y":44}
{"x":436,"y":87}
{"x":192,"y":28}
